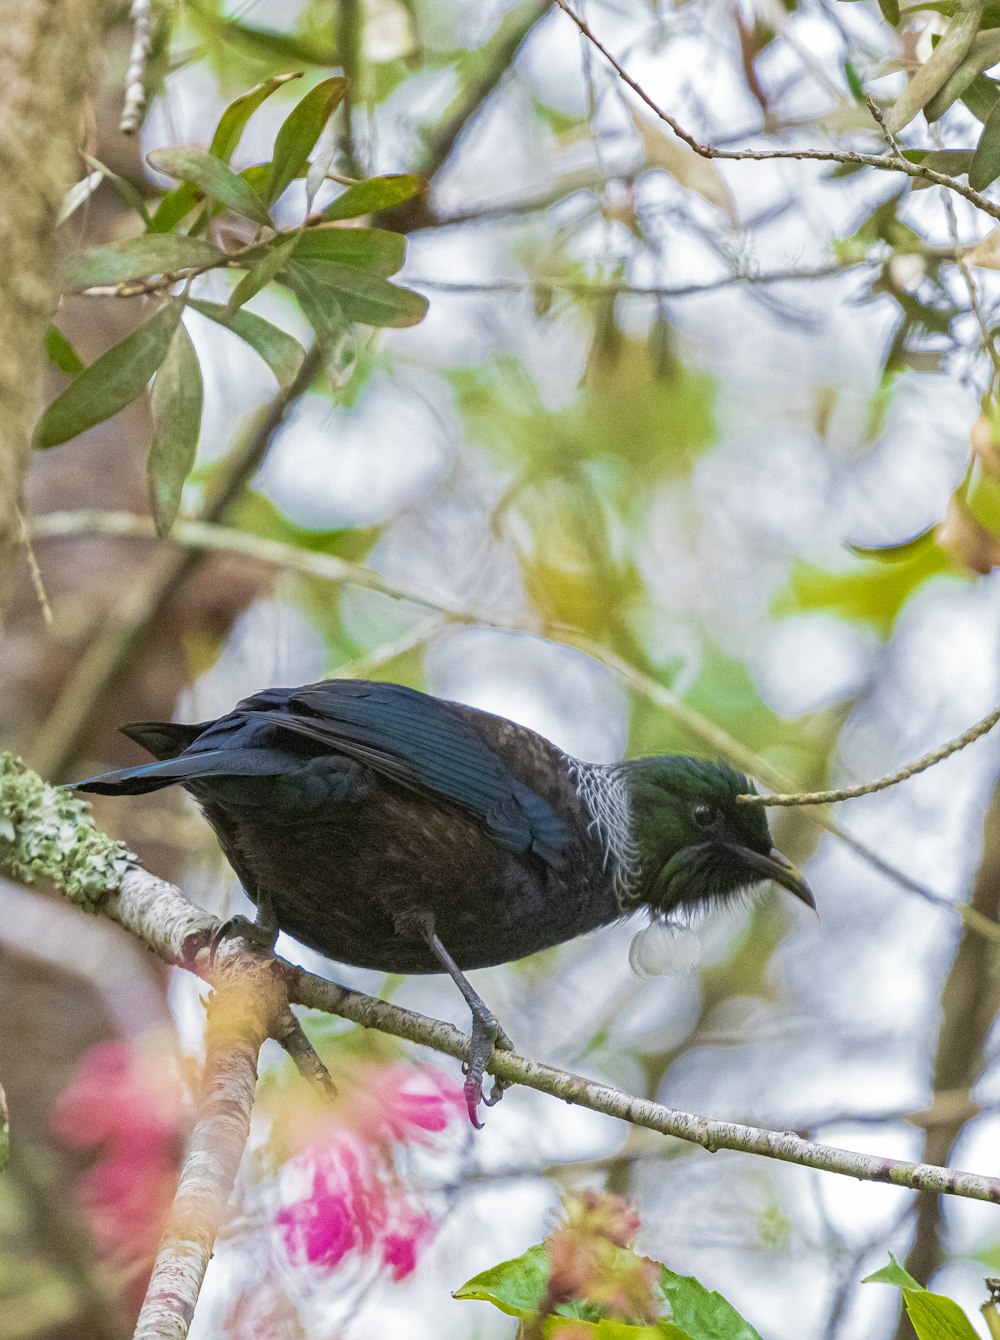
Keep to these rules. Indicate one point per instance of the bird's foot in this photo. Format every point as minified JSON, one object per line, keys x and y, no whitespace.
{"x":259,"y":935}
{"x":487,"y":1037}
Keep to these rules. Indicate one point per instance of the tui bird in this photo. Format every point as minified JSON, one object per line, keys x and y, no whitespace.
{"x":390,"y":829}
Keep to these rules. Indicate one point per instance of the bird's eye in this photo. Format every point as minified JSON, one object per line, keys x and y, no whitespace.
{"x":704,"y":815}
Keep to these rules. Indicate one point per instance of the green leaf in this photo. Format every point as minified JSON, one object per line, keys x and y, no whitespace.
{"x":268,"y":44}
{"x":894,"y":1274}
{"x":299,"y":132}
{"x":985,"y":165}
{"x":117,"y":378}
{"x":260,"y":274}
{"x":364,"y":297}
{"x":126,"y":190}
{"x":373,"y":249}
{"x":281,"y":352}
{"x":211,"y":175}
{"x":935,"y":1317}
{"x":238,"y":113}
{"x":173,"y":207}
{"x":368,"y":197}
{"x":516,"y":1287}
{"x":981,"y":96}
{"x":703,"y":1314}
{"x":61,"y":353}
{"x":176,"y":404}
{"x":890,"y":11}
{"x":319,"y":305}
{"x":137,"y":258}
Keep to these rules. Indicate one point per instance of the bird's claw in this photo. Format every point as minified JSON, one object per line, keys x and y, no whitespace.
{"x":258,"y":936}
{"x":487,"y":1037}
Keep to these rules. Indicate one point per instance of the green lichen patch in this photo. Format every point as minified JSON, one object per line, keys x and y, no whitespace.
{"x":47,"y":833}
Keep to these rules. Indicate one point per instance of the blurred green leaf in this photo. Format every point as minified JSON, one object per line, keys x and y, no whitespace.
{"x":137,"y":258}
{"x":173,"y":207}
{"x":233,"y":120}
{"x":985,"y":166}
{"x":61,"y":353}
{"x":261,"y":273}
{"x":890,"y":11}
{"x":282,"y":353}
{"x":368,"y":197}
{"x":176,"y":403}
{"x":361,"y":297}
{"x":266,"y":44}
{"x":113,"y":381}
{"x":216,"y":179}
{"x":373,"y":249}
{"x":701,"y":1313}
{"x":873,"y":594}
{"x":319,"y":304}
{"x":126,"y":190}
{"x":981,"y":96}
{"x":299,"y":132}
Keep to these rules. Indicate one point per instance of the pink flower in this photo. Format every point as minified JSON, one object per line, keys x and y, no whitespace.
{"x":354,"y":1199}
{"x":129,"y":1104}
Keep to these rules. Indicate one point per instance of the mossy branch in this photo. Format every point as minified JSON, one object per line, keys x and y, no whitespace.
{"x":48,"y":834}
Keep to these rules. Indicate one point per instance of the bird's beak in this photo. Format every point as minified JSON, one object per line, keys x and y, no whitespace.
{"x":780,"y":869}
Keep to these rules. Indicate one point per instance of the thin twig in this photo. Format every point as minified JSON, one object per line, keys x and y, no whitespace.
{"x":333,"y":568}
{"x":595,"y":289}
{"x":135,"y":75}
{"x":902,"y":774}
{"x":882,"y":162}
{"x":34,"y":572}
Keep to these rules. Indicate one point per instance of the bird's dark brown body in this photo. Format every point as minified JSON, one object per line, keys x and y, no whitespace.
{"x":353,"y":881}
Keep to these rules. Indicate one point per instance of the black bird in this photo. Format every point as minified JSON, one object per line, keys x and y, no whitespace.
{"x":390,"y":829}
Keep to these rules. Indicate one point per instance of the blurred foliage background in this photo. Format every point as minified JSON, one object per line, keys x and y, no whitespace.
{"x":646,"y":477}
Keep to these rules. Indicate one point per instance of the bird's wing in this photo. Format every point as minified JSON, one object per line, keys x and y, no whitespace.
{"x":420,"y":743}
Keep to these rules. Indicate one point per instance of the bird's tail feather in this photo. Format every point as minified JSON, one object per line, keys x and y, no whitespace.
{"x":188,"y":768}
{"x":164,"y":739}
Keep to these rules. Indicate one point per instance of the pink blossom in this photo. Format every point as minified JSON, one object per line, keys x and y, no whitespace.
{"x":356,"y":1201}
{"x":130,"y":1106}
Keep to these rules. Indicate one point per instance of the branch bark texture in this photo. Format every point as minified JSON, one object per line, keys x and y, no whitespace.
{"x":47,"y":49}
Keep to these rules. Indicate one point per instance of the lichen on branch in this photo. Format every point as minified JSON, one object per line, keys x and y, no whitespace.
{"x":47,"y":833}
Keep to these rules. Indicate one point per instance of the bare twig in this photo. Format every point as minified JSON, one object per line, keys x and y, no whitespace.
{"x":902,"y":774}
{"x":584,"y":289}
{"x":34,"y":571}
{"x":135,"y":75}
{"x":882,"y":162}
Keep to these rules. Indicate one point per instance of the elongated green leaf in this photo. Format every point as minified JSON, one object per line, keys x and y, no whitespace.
{"x":137,"y":258}
{"x":176,"y":404}
{"x":61,"y":353}
{"x":260,"y":274}
{"x":126,"y":190}
{"x":935,"y":1317}
{"x":238,"y":113}
{"x":269,"y":44}
{"x":173,"y":207}
{"x":981,"y":96}
{"x":113,"y":381}
{"x":319,"y":305}
{"x":364,"y":297}
{"x":890,"y":11}
{"x":211,"y":175}
{"x":368,"y":197}
{"x":373,"y":249}
{"x":77,"y":194}
{"x":299,"y":132}
{"x":281,"y":352}
{"x":985,"y":165}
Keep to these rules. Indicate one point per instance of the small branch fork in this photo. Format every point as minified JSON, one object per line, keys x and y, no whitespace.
{"x":891,"y":162}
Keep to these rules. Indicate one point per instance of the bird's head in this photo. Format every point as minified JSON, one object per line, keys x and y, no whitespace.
{"x":698,"y":844}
